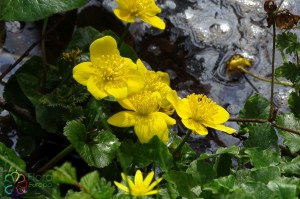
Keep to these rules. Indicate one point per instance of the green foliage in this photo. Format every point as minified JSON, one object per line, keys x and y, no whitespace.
{"x":287,"y":42}
{"x":290,"y":71}
{"x":27,"y":10}
{"x":90,"y":185}
{"x":97,"y":148}
{"x":294,"y":104}
{"x":142,"y":155}
{"x":9,"y":160}
{"x":291,"y":140}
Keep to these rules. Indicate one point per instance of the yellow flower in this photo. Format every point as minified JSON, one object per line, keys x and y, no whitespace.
{"x":157,"y":82}
{"x":236,"y":62}
{"x":108,"y":74}
{"x":143,"y":113}
{"x":146,"y":10}
{"x":198,"y":112}
{"x":140,"y":187}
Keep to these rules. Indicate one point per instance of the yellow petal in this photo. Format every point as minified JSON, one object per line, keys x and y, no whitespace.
{"x":121,"y":186}
{"x":126,"y":103}
{"x":123,"y":119}
{"x":149,"y":126}
{"x":135,"y":81}
{"x":82,"y":72}
{"x":124,"y":15}
{"x":154,"y":21}
{"x":95,"y":87}
{"x":141,"y":67}
{"x":221,"y":127}
{"x":117,"y":92}
{"x":181,"y":106}
{"x":221,"y":116}
{"x":151,"y":192}
{"x":128,"y":181}
{"x":194,"y":126}
{"x":164,"y":77}
{"x":168,"y":119}
{"x":138,"y":178}
{"x":123,"y":4}
{"x":153,"y":8}
{"x":106,"y":45}
{"x":154,"y":184}
{"x":149,"y":178}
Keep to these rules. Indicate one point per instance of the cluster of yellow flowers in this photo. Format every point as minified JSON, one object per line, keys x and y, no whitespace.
{"x":145,"y":94}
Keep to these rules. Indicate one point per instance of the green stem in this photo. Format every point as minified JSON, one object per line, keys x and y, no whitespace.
{"x":271,"y":113}
{"x":45,"y":66}
{"x":265,"y":79}
{"x":123,"y":36}
{"x":56,"y":159}
{"x":186,"y":137}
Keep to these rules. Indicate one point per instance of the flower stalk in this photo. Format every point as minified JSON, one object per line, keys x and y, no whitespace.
{"x":184,"y":140}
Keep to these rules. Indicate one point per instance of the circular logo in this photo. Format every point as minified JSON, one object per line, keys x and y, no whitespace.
{"x":15,"y":184}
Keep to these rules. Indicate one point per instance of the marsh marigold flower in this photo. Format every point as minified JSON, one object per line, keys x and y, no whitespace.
{"x":139,"y":187}
{"x":157,"y":82}
{"x":146,"y":10}
{"x":143,"y":113}
{"x":108,"y":73}
{"x":237,"y":62}
{"x":198,"y":112}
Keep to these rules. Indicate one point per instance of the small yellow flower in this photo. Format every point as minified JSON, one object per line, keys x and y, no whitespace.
{"x":143,"y":113}
{"x":198,"y":112}
{"x":108,"y":73}
{"x":72,"y":55}
{"x":157,"y":82}
{"x":236,"y":62}
{"x":140,"y":187}
{"x":146,"y":10}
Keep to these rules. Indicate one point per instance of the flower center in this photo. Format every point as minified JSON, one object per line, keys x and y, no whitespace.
{"x":202,"y":107}
{"x":139,"y":6}
{"x":110,"y":67}
{"x":145,"y":102}
{"x":139,"y":189}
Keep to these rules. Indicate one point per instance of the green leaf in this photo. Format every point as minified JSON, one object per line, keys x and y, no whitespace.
{"x":48,"y":117}
{"x":222,"y":185}
{"x":232,"y":150}
{"x":291,"y":72}
{"x":263,"y":174}
{"x":77,"y":195}
{"x":88,"y":33}
{"x":290,"y":139}
{"x":291,"y":167}
{"x":263,"y":136}
{"x":97,"y":187}
{"x":27,"y":10}
{"x":65,"y":174}
{"x":257,"y":106}
{"x":223,"y":165}
{"x":96,"y":148}
{"x":142,"y":155}
{"x":287,"y":41}
{"x":29,"y":84}
{"x":202,"y":171}
{"x":294,"y":104}
{"x":184,"y":182}
{"x":258,"y":190}
{"x":263,"y":158}
{"x":9,"y":160}
{"x":283,"y":190}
